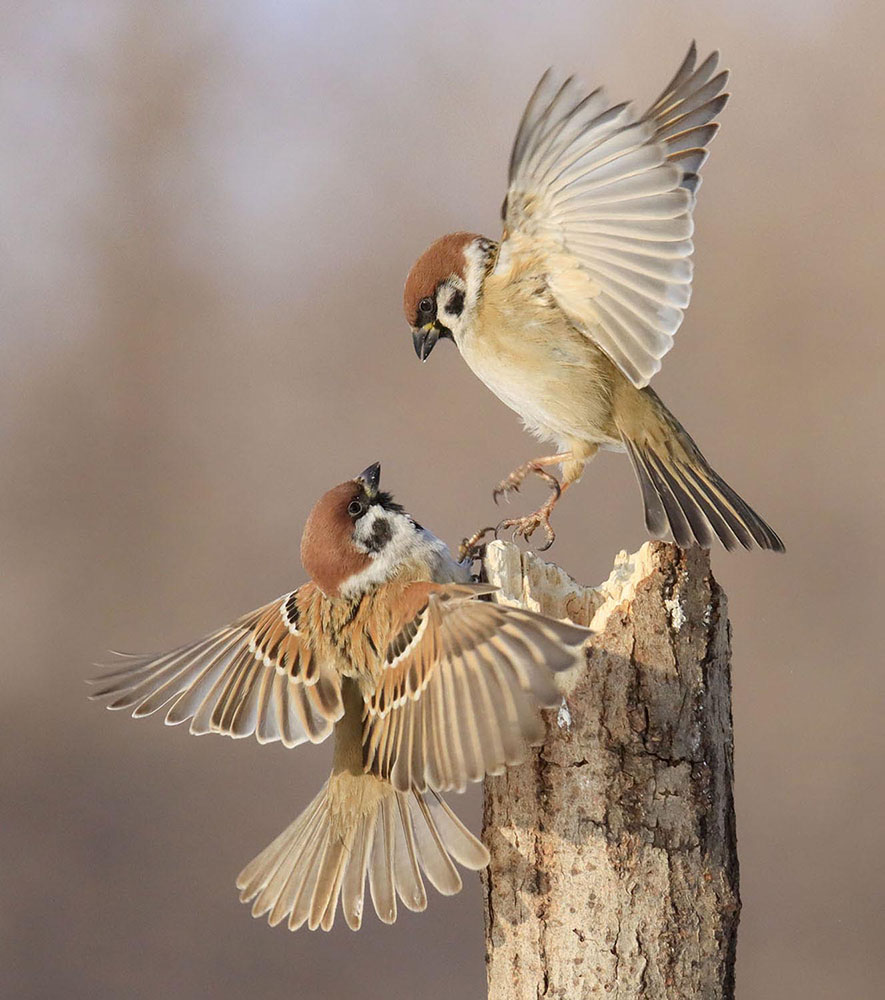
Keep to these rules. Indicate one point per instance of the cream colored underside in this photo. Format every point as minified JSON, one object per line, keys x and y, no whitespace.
{"x":526,"y":351}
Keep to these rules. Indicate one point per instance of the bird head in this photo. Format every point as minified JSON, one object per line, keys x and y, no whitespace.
{"x":358,"y":537}
{"x":443,"y":287}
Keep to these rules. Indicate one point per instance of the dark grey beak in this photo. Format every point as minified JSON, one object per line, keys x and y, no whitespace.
{"x":371,"y":478}
{"x":425,"y":340}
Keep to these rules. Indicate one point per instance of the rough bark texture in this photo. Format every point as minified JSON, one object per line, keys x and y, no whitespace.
{"x":613,"y":860}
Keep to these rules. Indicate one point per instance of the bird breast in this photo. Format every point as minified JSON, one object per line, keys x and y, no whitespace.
{"x":525,"y":349}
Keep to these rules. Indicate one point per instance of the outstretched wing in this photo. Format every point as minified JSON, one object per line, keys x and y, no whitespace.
{"x":460,"y":688}
{"x":257,"y":675}
{"x":604,"y":201}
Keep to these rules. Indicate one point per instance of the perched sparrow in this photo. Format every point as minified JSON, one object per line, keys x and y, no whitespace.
{"x":567,"y":318}
{"x":425,"y":686}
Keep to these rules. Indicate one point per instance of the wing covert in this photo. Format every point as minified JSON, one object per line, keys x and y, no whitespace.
{"x":460,"y":688}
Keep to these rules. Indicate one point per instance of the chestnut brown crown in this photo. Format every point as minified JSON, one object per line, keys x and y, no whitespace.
{"x":328,"y":552}
{"x":439,"y":261}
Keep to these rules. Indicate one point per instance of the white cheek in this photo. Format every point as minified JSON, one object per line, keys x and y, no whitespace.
{"x":475,"y":273}
{"x":365,"y":528}
{"x":407,"y":544}
{"x":453,"y":320}
{"x":455,"y":324}
{"x":385,"y":562}
{"x":471,"y":286}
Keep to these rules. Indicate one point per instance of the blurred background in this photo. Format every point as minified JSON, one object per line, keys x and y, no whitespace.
{"x":208,"y":214}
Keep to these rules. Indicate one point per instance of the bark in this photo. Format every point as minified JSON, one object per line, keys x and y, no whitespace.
{"x":613,"y":867}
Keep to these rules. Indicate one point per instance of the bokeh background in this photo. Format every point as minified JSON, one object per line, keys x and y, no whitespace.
{"x":208,"y":213}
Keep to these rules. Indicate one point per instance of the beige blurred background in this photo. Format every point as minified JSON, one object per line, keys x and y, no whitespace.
{"x":208,"y":213}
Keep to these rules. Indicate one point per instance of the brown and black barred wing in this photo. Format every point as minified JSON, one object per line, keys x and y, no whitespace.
{"x":460,"y":688}
{"x":256,"y":676}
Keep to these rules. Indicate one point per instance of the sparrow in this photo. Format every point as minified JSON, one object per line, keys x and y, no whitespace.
{"x":422,"y":681}
{"x":567,"y":318}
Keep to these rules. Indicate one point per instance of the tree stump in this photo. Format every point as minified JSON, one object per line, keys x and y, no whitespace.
{"x":614,"y":868}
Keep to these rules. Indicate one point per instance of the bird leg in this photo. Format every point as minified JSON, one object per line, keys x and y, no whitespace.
{"x":525,"y":527}
{"x":471,"y":548}
{"x":572,"y":462}
{"x":537,"y":466}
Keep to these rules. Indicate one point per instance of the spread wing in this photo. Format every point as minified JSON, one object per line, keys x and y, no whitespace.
{"x":460,"y":688}
{"x":257,"y":675}
{"x":605,"y":201}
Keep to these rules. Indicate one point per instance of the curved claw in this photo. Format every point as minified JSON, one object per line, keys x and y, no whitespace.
{"x":506,"y":522}
{"x":504,"y":489}
{"x":514,"y":481}
{"x":555,"y":485}
{"x":551,"y":538}
{"x":525,"y":527}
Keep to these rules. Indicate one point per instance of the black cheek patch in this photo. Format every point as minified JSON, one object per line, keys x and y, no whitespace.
{"x":381,"y":535}
{"x":456,"y":304}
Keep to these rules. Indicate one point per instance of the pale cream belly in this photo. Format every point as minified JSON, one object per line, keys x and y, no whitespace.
{"x":560,"y":393}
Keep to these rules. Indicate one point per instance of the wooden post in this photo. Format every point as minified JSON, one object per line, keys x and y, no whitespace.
{"x":614,"y":867}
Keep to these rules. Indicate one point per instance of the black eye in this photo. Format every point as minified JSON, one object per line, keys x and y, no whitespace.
{"x":355,"y":508}
{"x":426,"y":305}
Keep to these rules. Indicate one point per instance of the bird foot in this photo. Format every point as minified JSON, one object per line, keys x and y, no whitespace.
{"x":472,"y":548}
{"x":514,"y":481}
{"x":525,"y":527}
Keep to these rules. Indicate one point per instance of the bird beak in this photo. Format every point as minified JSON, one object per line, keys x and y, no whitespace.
{"x":371,"y":479}
{"x":425,"y":339}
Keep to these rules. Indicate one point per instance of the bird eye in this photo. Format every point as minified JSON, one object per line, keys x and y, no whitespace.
{"x":355,"y":508}
{"x":426,"y":305}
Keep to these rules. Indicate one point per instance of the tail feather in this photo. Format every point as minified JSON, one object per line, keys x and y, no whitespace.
{"x":359,"y":827}
{"x":353,"y":885}
{"x":438,"y":865}
{"x":683,"y":494}
{"x":381,"y":866}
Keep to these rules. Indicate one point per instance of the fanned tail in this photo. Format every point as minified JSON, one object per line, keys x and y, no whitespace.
{"x":682,"y":493}
{"x":359,"y":825}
